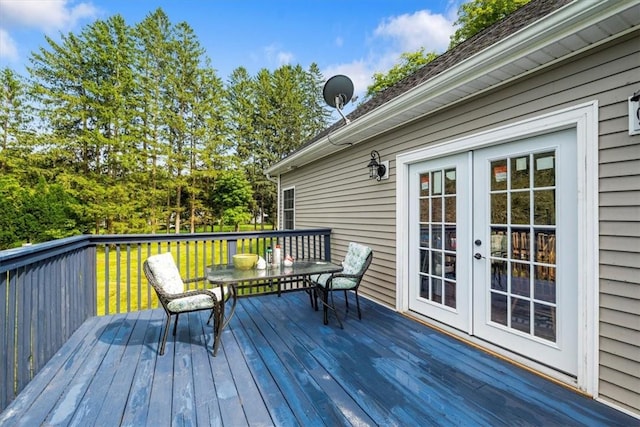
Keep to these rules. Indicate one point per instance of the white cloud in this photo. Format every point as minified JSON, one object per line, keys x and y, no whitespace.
{"x":284,"y":58}
{"x":277,"y":57}
{"x":43,"y":15}
{"x":8,"y":49}
{"x":394,"y":36}
{"x":409,"y":33}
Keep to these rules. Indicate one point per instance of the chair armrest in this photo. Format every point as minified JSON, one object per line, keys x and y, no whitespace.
{"x":170,"y":297}
{"x":345,"y":275}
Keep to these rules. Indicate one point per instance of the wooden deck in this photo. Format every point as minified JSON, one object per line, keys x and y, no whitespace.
{"x":279,"y":365}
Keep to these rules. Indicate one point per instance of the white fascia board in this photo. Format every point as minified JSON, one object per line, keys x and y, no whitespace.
{"x":556,"y":26}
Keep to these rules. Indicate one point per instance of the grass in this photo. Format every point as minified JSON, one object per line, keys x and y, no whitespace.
{"x":128,"y":290}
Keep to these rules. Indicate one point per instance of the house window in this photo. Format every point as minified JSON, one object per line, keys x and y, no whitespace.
{"x":288,"y":211}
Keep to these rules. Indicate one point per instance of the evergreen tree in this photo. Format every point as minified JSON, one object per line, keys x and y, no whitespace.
{"x":16,"y":137}
{"x":153,"y":63}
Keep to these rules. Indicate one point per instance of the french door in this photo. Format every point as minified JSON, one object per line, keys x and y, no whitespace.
{"x":439,"y":268}
{"x":492,"y":248}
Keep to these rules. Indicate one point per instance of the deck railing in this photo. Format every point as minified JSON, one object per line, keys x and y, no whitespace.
{"x":48,"y":290}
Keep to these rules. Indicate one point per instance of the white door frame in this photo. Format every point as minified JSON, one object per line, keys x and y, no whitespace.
{"x":583,"y":117}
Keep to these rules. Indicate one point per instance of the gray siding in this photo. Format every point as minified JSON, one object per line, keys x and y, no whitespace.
{"x":336,"y":192}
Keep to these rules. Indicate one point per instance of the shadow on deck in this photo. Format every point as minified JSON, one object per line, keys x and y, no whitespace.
{"x":279,"y":365}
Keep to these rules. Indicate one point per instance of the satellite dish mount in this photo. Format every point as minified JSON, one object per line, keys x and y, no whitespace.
{"x":337,"y":92}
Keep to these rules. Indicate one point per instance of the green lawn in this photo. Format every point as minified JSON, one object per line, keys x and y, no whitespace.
{"x":138,"y":292}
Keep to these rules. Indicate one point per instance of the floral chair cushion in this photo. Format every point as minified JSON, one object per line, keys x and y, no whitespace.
{"x":166,"y":273}
{"x":336,"y":283}
{"x":195,"y":302}
{"x":353,"y":262}
{"x":355,"y":258}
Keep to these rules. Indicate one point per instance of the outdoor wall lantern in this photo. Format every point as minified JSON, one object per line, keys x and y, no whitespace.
{"x":378,"y":169}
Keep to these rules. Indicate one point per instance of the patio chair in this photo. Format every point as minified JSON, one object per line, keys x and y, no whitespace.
{"x":356,"y":262}
{"x":162,"y":273}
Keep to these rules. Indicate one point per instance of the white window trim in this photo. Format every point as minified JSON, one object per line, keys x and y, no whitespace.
{"x":583,"y":117}
{"x":292,"y":187}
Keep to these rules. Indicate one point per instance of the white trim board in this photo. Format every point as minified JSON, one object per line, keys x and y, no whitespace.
{"x":582,"y":117}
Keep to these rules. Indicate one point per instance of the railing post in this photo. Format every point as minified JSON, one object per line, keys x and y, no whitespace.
{"x":327,"y":247}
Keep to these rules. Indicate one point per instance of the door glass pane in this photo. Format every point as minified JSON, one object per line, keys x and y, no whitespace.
{"x":424,"y":287}
{"x":424,"y":210}
{"x":424,"y":261}
{"x":499,"y":208}
{"x":545,"y":322}
{"x":545,"y":246}
{"x":450,"y":209}
{"x":499,"y":308}
{"x":424,"y":236}
{"x":450,"y":238}
{"x":520,"y":315}
{"x":520,"y":282}
{"x":436,"y":209}
{"x":450,"y":181}
{"x":544,"y":205}
{"x":436,"y":263}
{"x":437,"y":290}
{"x":499,"y":275}
{"x":436,"y":236}
{"x":520,"y":172}
{"x":450,"y":266}
{"x":499,"y":175}
{"x":436,"y":183}
{"x":424,"y":184}
{"x":520,"y":244}
{"x":545,"y":283}
{"x":520,"y":207}
{"x":450,"y":294}
{"x":545,"y":169}
{"x":499,"y":241}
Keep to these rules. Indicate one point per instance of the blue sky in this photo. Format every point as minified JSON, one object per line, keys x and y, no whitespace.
{"x":351,"y":37}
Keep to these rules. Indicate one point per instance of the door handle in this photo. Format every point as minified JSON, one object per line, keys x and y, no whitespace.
{"x":478,"y":256}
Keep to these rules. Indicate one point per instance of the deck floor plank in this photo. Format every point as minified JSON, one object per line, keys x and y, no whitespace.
{"x":291,"y":378}
{"x":253,"y":405}
{"x":73,"y":381}
{"x":115,"y":401}
{"x":137,"y":406}
{"x":280,"y":366}
{"x":334,"y":404}
{"x":360,"y":364}
{"x":37,"y":399}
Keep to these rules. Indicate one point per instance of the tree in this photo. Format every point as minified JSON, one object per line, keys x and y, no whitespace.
{"x":273,"y":113}
{"x":232,"y":197}
{"x":409,"y":63}
{"x":15,"y":117}
{"x":476,"y":15}
{"x":36,"y":214}
{"x":153,"y":62}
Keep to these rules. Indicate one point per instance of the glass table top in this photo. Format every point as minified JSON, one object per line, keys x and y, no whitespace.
{"x":221,"y":274}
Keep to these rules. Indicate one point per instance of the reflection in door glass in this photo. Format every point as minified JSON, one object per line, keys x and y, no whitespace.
{"x":499,"y":208}
{"x":520,"y":207}
{"x":544,"y":207}
{"x":522,"y":283}
{"x":545,"y":321}
{"x":438,"y":236}
{"x":450,"y":181}
{"x":436,"y":209}
{"x":520,"y":314}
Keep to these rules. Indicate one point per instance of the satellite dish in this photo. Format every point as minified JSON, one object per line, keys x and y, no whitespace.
{"x":337,"y":92}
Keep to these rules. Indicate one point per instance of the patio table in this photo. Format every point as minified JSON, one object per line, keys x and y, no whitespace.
{"x":273,"y":275}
